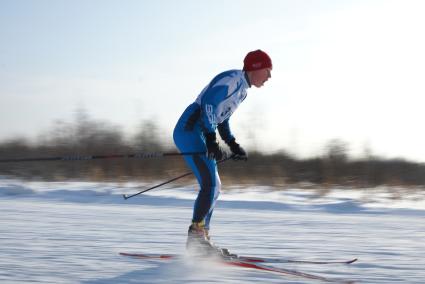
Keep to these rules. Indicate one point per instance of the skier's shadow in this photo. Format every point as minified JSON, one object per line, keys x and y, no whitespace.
{"x":159,"y":272}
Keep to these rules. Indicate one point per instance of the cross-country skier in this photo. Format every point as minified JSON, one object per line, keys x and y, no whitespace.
{"x":196,"y":132}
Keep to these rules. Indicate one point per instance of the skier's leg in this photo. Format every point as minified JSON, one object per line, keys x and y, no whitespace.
{"x":217,"y":189}
{"x":204,"y":169}
{"x":206,"y":172}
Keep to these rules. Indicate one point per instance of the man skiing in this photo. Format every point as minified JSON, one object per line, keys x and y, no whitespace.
{"x":196,"y":132}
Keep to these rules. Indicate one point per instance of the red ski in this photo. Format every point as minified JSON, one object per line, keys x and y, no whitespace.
{"x":249,"y":263}
{"x":150,"y":255}
{"x":281,"y":260}
{"x":288,"y":272}
{"x":251,"y":259}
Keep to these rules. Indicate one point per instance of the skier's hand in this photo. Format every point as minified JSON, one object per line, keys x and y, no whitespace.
{"x":239,"y":153}
{"x":213,"y":149}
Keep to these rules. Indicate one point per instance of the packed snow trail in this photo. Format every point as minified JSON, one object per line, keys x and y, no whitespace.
{"x":73,"y":233}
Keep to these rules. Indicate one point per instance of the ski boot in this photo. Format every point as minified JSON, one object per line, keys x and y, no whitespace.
{"x":223,"y":252}
{"x":198,"y":242}
{"x":227,"y":255}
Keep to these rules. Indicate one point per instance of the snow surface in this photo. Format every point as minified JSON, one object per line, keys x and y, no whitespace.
{"x":72,"y":232}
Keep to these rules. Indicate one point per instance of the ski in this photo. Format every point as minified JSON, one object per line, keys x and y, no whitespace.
{"x":249,"y":263}
{"x":150,"y":255}
{"x":287,"y":272}
{"x":281,"y":260}
{"x":249,"y":259}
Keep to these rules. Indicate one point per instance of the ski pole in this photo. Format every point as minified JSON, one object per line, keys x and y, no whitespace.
{"x":98,"y":157}
{"x":153,"y":187}
{"x":168,"y":181}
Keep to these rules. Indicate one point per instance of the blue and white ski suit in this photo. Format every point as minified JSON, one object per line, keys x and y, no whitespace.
{"x":211,"y":110}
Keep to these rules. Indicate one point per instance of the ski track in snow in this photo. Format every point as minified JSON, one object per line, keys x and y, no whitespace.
{"x":72,"y":232}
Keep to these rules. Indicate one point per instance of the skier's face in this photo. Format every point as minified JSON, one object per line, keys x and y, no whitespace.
{"x":259,"y":77}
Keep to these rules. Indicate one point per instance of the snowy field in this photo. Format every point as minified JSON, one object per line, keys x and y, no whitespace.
{"x":73,"y":233}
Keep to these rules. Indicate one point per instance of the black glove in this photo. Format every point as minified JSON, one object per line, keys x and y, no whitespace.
{"x":238,"y":152}
{"x":213,"y":149}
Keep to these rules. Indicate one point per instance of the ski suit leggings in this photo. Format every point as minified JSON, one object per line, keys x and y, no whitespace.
{"x":191,"y":139}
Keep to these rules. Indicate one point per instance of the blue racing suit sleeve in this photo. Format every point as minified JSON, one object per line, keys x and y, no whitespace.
{"x":224,"y":130}
{"x":209,"y":104}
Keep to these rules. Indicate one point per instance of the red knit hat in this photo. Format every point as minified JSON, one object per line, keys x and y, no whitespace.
{"x":256,"y":60}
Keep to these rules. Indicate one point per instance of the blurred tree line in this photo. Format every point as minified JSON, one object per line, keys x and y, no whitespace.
{"x":85,"y":137}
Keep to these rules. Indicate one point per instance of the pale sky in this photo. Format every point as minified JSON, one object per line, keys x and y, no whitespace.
{"x":352,"y":70}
